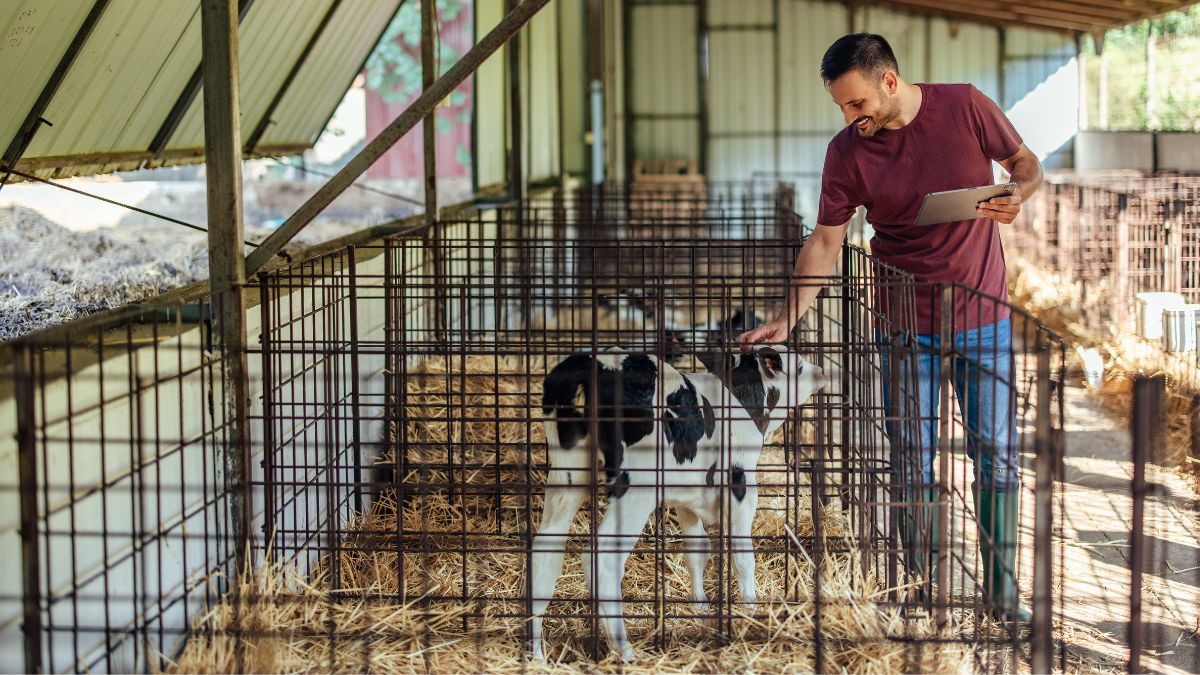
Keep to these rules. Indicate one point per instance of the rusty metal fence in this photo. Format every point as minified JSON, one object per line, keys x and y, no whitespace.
{"x":1114,"y":235}
{"x":397,"y":460}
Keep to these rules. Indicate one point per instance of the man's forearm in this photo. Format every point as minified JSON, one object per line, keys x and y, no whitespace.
{"x":816,"y":260}
{"x":1027,"y":174}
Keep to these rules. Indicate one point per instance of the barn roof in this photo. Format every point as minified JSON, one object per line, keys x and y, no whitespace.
{"x":1079,"y":16}
{"x":114,"y":85}
{"x":118,"y":82}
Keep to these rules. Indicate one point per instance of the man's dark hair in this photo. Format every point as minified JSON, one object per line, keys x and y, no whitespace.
{"x":867,"y":53}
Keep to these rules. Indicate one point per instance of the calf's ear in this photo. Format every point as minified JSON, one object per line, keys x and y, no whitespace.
{"x":771,"y":360}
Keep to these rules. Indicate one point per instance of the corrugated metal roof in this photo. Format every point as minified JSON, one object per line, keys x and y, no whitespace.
{"x":134,"y":69}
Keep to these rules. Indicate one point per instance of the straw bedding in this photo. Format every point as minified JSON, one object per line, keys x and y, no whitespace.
{"x":385,"y":625}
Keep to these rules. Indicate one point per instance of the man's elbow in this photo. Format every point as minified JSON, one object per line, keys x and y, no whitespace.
{"x":1036,"y":174}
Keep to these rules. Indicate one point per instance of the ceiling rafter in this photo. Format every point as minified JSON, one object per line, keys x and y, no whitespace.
{"x":1077,"y":16}
{"x":964,"y":11}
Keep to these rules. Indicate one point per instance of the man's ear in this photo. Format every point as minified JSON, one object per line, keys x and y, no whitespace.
{"x":890,"y":81}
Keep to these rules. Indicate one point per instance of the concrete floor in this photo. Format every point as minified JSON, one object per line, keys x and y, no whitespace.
{"x":1098,"y":511}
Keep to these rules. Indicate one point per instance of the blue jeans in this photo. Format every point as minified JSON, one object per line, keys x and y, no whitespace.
{"x":983,"y":384}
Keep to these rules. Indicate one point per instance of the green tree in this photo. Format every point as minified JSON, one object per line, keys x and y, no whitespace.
{"x":394,"y":68}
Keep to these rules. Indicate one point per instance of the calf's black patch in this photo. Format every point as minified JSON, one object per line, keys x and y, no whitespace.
{"x":737,"y":482}
{"x":684,"y":422}
{"x":741,"y":375}
{"x":623,"y":399}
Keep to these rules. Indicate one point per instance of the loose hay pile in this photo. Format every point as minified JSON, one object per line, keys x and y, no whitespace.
{"x":50,"y":275}
{"x":460,"y":608}
{"x":1051,"y":299}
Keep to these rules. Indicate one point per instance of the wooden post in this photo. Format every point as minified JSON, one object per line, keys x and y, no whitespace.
{"x":226,"y":266}
{"x":429,"y":124}
{"x":516,"y":159}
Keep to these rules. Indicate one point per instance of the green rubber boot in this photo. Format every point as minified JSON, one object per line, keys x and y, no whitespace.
{"x":997,"y":512}
{"x":919,"y":534}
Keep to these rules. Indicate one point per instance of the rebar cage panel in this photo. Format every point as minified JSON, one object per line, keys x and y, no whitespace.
{"x":398,"y":459}
{"x":438,"y":465}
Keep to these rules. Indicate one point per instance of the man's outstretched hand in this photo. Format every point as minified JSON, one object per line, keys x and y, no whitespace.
{"x":772,"y":332}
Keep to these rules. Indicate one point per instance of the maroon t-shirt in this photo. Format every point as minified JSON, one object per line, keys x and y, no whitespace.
{"x":949,"y":145}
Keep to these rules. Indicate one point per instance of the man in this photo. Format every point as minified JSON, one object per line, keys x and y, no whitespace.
{"x":903,"y":141}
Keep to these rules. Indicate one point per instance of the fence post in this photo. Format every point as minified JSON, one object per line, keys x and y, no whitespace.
{"x":267,"y":360}
{"x":944,"y":424}
{"x":1147,"y":422}
{"x":27,"y":484}
{"x":1045,"y":461}
{"x":355,"y":376}
{"x":1194,"y":419}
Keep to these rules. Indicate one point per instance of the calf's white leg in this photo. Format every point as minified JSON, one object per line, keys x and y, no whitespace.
{"x":698,"y":550}
{"x":741,"y":524}
{"x":619,"y":530}
{"x":565,"y":492}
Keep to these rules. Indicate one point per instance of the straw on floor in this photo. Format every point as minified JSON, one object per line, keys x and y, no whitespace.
{"x":374,"y":620}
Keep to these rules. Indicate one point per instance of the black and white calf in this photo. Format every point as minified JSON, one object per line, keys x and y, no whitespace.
{"x":694,"y":440}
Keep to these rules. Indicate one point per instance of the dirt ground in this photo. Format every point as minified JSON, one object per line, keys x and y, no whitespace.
{"x":1095,"y":548}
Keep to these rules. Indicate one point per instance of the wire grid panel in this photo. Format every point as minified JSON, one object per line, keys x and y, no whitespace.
{"x":122,"y":486}
{"x":441,"y":510}
{"x":1115,"y":235}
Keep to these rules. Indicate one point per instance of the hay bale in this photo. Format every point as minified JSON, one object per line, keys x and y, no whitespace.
{"x":1130,"y":356}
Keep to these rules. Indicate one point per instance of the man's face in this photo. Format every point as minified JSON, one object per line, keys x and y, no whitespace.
{"x":866,"y":104}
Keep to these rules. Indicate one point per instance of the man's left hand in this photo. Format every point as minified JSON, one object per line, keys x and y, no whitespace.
{"x":1002,"y":209}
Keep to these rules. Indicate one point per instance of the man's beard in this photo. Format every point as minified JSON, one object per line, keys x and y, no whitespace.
{"x":881,"y":119}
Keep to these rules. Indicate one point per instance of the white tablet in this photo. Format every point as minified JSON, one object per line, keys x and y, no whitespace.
{"x":945,"y":207}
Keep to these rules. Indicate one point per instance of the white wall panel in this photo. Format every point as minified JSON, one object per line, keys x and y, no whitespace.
{"x":808,"y":28}
{"x":969,"y":54}
{"x":667,"y":139}
{"x":491,"y":107}
{"x":540,"y":87}
{"x":1038,"y":83}
{"x":905,"y":33}
{"x":575,"y":86}
{"x":739,"y":12}
{"x":742,"y":79}
{"x":665,"y":78}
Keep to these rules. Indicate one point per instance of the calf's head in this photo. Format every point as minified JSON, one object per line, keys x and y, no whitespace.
{"x":769,"y":381}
